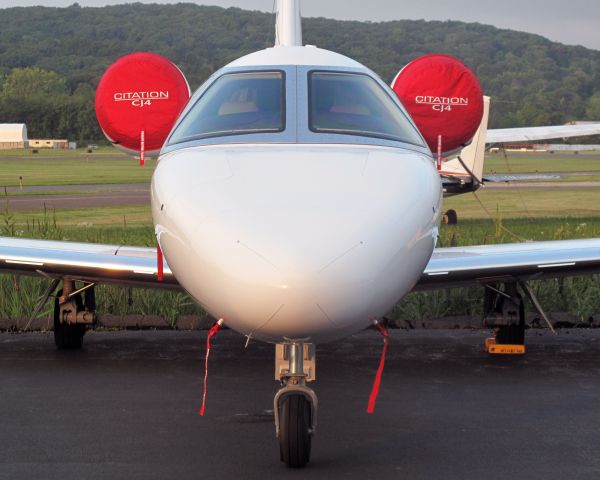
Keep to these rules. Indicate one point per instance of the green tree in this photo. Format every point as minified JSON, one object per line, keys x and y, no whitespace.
{"x":531,"y":80}
{"x":31,"y":81}
{"x":592,"y":110}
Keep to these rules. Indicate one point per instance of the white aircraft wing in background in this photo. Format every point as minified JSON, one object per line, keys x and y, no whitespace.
{"x":528,"y":134}
{"x":463,"y":173}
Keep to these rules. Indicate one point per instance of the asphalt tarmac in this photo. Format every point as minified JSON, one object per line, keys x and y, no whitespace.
{"x":84,"y":196}
{"x":126,"y":407}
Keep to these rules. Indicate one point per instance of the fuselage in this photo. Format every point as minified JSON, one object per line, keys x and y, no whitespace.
{"x":277,"y":213}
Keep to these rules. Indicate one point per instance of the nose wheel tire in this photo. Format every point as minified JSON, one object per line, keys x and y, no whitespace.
{"x":294,"y":431}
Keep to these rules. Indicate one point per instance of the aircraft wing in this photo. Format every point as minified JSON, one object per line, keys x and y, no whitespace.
{"x":112,"y":264}
{"x":527,"y":134}
{"x":448,"y":267}
{"x":464,"y":266}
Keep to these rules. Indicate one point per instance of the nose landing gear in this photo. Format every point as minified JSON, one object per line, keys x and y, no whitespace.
{"x":295,"y":405}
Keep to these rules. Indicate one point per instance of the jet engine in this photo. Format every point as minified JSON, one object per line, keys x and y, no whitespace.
{"x":444,"y":98}
{"x":138,"y":100}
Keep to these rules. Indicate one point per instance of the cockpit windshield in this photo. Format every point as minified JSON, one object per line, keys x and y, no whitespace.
{"x":355,"y":104}
{"x":236,"y":104}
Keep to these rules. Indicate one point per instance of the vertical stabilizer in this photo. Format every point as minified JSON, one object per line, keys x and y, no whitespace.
{"x":472,"y":156}
{"x":288,"y":30}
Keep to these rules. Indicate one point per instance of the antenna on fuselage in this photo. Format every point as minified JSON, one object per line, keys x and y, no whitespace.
{"x":288,"y":29}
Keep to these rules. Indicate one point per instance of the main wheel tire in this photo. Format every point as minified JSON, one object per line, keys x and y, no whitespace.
{"x":294,"y":431}
{"x":67,"y":336}
{"x":513,"y":334}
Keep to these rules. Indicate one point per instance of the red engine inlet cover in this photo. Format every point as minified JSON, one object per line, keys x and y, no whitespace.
{"x":140,"y":92}
{"x":443,"y":97}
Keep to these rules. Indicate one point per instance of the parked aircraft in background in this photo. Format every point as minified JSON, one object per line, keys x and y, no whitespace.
{"x":297,"y":200}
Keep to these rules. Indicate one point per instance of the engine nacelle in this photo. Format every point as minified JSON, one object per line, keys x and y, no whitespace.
{"x":443,"y":98}
{"x":141,"y":92}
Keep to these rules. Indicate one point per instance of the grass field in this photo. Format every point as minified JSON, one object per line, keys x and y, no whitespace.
{"x":581,"y":178}
{"x":81,"y":217}
{"x":541,"y":162}
{"x":108,"y":165}
{"x":516,"y":202}
{"x":510,"y":203}
{"x":71,"y":167}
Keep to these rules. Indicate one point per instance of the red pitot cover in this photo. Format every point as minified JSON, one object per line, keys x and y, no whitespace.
{"x":141,"y":91}
{"x":443,"y":97}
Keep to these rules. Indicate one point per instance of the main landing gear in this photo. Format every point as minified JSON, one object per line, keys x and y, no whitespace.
{"x":450,"y":217}
{"x":504,"y":312}
{"x":295,"y":404}
{"x":73,"y":313}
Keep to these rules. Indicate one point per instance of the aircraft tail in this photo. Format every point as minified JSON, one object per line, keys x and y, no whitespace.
{"x":472,"y":155}
{"x":288,"y":29}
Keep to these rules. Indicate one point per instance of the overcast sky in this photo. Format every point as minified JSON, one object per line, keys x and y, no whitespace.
{"x":574,"y":22}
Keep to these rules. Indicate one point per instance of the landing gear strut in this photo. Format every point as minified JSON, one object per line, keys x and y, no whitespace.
{"x":73,"y":312}
{"x":295,"y":404}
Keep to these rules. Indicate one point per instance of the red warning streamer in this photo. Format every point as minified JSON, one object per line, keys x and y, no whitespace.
{"x":160,"y":274}
{"x":212,"y":332}
{"x":377,"y":382}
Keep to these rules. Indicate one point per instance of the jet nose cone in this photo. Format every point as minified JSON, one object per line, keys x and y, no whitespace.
{"x":293,"y":246}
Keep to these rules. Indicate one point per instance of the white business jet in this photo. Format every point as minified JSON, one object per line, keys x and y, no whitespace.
{"x":296,"y":200}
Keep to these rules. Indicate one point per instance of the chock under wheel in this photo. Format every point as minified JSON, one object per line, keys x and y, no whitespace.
{"x":494,"y":348}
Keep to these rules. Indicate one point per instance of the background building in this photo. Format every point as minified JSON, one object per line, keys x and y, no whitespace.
{"x":48,"y":143}
{"x":13,"y":135}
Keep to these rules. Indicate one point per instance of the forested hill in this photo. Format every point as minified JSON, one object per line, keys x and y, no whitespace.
{"x":532,"y":80}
